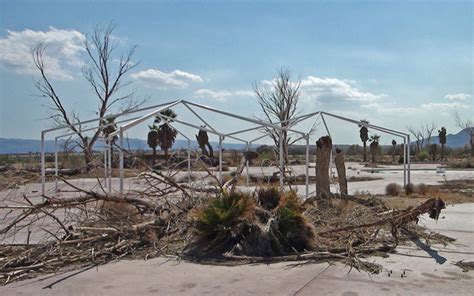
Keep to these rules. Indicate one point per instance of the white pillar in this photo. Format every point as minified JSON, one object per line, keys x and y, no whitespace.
{"x":109,"y":166}
{"x":189,"y":160}
{"x":404,"y":161}
{"x":43,"y":165}
{"x":56,"y":173}
{"x":220,"y":160}
{"x":409,"y":160}
{"x":282,"y":161}
{"x":121,"y":161}
{"x":247,"y":177}
{"x":105,"y":168}
{"x":307,"y":166}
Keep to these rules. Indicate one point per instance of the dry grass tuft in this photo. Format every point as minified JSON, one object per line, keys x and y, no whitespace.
{"x":393,"y":189}
{"x":409,"y":189}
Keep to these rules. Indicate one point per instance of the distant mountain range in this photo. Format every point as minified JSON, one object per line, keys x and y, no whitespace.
{"x":458,"y":140}
{"x":11,"y":146}
{"x":8,"y":146}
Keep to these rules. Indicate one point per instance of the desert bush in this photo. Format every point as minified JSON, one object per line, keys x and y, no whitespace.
{"x":222,"y":221}
{"x":233,"y":223}
{"x":423,"y":155}
{"x":296,"y":232}
{"x":393,"y":189}
{"x":268,"y":197}
{"x":409,"y":189}
{"x":421,"y":189}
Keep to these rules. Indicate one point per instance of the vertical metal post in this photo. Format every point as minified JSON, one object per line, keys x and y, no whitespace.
{"x":282,"y":161}
{"x":307,"y":166}
{"x":247,"y":177}
{"x":121,"y":161}
{"x":109,"y":167}
{"x":409,"y":160}
{"x":404,"y":162}
{"x":220,"y":160}
{"x":189,"y":160}
{"x":56,"y":173}
{"x":43,"y":165}
{"x":105,"y":168}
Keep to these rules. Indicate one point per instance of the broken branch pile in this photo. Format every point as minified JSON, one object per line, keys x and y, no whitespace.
{"x":216,"y":226}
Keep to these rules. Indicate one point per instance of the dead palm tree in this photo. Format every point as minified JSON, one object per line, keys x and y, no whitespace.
{"x":203,"y":142}
{"x":374,"y":146}
{"x":394,"y":149}
{"x":364,"y":137}
{"x":166,"y":134}
{"x":442,"y":140}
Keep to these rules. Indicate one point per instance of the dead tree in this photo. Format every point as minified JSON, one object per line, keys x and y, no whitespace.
{"x":341,"y":171}
{"x":323,"y":157}
{"x":279,"y":105}
{"x":104,"y":70}
{"x":468,"y":126}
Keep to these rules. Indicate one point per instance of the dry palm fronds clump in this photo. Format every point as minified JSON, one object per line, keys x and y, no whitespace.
{"x":267,"y":224}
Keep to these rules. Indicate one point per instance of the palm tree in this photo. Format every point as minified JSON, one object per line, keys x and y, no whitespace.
{"x":374,"y":145}
{"x":394,"y":149}
{"x":153,"y":140}
{"x":364,"y":136}
{"x":108,"y":128}
{"x":166,"y":134}
{"x":442,"y":140}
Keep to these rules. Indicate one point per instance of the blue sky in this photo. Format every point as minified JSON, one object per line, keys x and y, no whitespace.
{"x":394,"y":63}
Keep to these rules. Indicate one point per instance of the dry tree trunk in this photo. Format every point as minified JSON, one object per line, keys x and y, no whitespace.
{"x":341,"y":171}
{"x":323,"y":157}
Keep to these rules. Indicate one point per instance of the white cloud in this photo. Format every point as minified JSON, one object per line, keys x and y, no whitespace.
{"x":154,"y":78}
{"x":459,"y":96}
{"x":393,"y":109}
{"x":443,"y":106}
{"x":389,"y":108}
{"x":333,"y":88}
{"x":62,"y":51}
{"x":222,"y":95}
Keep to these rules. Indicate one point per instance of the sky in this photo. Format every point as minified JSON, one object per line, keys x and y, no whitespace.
{"x":394,"y":63}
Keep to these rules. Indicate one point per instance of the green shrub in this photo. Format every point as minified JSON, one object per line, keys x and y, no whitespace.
{"x":222,"y":213}
{"x":423,"y":155}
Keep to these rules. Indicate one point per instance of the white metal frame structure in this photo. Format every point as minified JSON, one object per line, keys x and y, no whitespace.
{"x":192,"y":107}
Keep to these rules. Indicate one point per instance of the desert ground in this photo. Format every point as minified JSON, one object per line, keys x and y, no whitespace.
{"x":415,"y":269}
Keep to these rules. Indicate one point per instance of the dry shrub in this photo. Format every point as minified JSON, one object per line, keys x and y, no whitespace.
{"x":296,"y":231}
{"x":222,"y":223}
{"x":225,"y":168}
{"x":268,"y":197}
{"x":119,"y":211}
{"x":232,"y":223}
{"x":409,"y":189}
{"x":421,"y":189}
{"x":393,"y":189}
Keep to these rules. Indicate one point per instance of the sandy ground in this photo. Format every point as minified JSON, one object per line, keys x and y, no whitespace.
{"x":428,"y":270}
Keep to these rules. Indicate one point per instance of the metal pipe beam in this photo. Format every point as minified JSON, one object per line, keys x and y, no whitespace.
{"x":121,"y":160}
{"x":43,"y":165}
{"x":106,"y":117}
